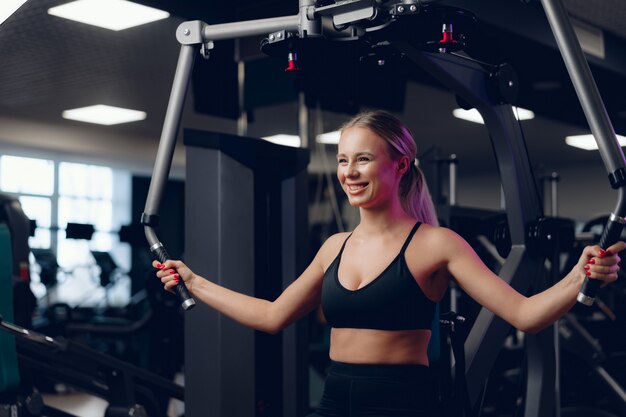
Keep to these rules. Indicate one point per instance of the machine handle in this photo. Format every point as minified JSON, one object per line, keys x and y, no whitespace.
{"x":186,"y":300}
{"x":611,"y":234}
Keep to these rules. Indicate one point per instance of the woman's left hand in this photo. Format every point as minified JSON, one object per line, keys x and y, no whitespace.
{"x":601,"y":264}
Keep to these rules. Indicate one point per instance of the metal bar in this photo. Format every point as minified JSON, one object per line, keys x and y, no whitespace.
{"x":167,"y":143}
{"x":584,"y":84}
{"x":599,"y":122}
{"x":453,"y":161}
{"x":612,"y":383}
{"x":242,"y":120}
{"x":31,"y":335}
{"x":554,"y":197}
{"x":163,"y":163}
{"x":250,"y":28}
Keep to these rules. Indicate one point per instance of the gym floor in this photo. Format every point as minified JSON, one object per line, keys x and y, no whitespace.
{"x":86,"y":405}
{"x":80,"y":404}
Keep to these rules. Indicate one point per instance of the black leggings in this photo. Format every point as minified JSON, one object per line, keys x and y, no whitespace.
{"x":353,"y":390}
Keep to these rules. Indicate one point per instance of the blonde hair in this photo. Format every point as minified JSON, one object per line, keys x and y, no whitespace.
{"x":414,"y":195}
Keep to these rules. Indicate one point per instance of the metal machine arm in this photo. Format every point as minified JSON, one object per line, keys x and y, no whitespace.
{"x":193,"y":35}
{"x":600,"y":125}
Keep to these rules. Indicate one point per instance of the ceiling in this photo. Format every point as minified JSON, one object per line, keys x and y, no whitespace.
{"x":49,"y":64}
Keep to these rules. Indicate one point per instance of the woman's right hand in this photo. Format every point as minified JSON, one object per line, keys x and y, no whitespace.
{"x":170,"y":273}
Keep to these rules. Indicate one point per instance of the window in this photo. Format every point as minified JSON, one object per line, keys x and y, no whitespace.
{"x":26,"y":175}
{"x":33,"y":181}
{"x":54,"y":193}
{"x":85,"y":196}
{"x":40,"y":210}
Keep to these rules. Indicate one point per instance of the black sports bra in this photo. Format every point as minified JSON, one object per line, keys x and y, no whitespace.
{"x":392,"y":301}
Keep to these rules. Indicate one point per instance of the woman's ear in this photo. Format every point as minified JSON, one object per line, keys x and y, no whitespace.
{"x":404,"y":164}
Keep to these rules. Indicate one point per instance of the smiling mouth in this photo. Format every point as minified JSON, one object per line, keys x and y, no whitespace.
{"x":356,"y":187}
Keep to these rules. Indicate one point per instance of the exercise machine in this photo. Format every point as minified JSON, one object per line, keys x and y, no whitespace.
{"x":129,"y":390}
{"x":398,"y":29}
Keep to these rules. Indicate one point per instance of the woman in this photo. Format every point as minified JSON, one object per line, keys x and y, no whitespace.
{"x":378,"y":285}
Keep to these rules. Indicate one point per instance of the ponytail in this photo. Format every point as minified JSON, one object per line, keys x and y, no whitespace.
{"x":413,"y":191}
{"x":415,"y":197}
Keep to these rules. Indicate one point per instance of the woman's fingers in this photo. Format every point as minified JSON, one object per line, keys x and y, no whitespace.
{"x":170,"y":277}
{"x":169,"y":264}
{"x":602,"y":264}
{"x":616,"y":247}
{"x":169,"y":285}
{"x":167,"y":273}
{"x":595,"y":255}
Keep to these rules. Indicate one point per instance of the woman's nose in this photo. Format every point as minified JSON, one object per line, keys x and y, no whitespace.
{"x":352,"y":171}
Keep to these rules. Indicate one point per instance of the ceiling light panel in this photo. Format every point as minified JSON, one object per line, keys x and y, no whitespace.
{"x":330,"y":138}
{"x":109,"y":14}
{"x":472,"y":115}
{"x":8,"y":7}
{"x":286,"y":140}
{"x":588,"y":142}
{"x":104,"y":115}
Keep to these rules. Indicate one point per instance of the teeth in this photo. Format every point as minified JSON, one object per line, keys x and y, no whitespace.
{"x":355,"y":187}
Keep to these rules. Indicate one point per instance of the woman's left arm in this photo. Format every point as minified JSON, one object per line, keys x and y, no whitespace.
{"x":529,"y":314}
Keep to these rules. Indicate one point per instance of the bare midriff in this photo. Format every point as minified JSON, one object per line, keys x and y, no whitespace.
{"x":368,"y":346}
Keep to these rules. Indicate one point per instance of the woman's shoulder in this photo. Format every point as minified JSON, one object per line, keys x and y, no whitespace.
{"x":335,"y":241}
{"x":331,"y":246}
{"x":439,"y":237}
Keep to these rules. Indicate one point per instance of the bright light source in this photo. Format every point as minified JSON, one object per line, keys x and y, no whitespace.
{"x":104,"y":115}
{"x":588,"y":142}
{"x":472,"y":115}
{"x":523,"y":114}
{"x":109,"y":14}
{"x":330,"y":138}
{"x":286,"y":140}
{"x":8,"y":7}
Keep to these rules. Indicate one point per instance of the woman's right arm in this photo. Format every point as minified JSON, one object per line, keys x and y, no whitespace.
{"x":298,"y":299}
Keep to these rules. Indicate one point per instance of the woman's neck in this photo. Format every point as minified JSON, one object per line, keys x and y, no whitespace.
{"x":378,"y":221}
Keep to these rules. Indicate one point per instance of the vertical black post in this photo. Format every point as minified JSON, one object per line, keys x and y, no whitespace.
{"x":246,"y":229}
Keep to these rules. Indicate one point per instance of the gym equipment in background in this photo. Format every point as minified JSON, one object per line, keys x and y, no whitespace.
{"x":19,"y":228}
{"x":107,"y":266}
{"x":129,"y":390}
{"x":49,"y":267}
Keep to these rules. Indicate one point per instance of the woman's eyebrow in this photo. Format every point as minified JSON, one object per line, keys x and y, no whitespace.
{"x":357,"y":154}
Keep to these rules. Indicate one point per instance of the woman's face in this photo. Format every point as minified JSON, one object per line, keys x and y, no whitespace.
{"x":365,"y":170}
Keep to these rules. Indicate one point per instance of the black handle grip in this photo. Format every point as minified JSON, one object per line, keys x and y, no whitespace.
{"x":186,"y":301}
{"x":611,"y":234}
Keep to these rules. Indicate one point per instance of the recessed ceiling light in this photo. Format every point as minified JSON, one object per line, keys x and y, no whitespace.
{"x":588,"y":142}
{"x":330,"y":138}
{"x":109,"y":14}
{"x":472,"y":115}
{"x":287,"y":140}
{"x":8,"y":7}
{"x":104,"y":115}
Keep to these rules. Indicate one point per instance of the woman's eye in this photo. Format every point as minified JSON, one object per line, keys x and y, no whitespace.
{"x":363,"y":159}
{"x":342,"y":161}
